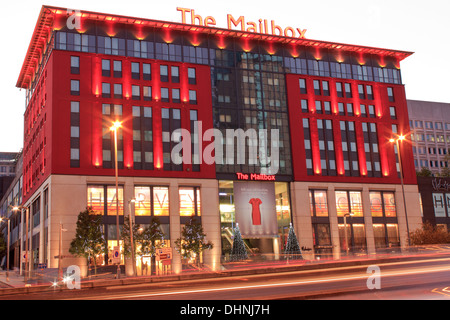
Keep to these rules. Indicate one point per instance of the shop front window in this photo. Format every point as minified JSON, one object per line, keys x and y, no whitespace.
{"x":160,"y":201}
{"x":258,"y":207}
{"x":319,"y":204}
{"x":96,"y":196}
{"x":189,"y":201}
{"x":356,"y":237}
{"x":379,"y":234}
{"x":393,"y":235}
{"x":349,"y":202}
{"x":142,"y":205}
{"x":151,"y":201}
{"x":321,"y":234}
{"x":112,"y":200}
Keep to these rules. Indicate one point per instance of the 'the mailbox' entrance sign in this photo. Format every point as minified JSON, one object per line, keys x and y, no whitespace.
{"x":263,"y":26}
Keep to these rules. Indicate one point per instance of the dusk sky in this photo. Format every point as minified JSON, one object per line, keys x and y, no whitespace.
{"x":413,"y":25}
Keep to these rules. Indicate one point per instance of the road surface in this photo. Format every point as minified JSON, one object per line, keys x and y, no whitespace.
{"x":419,"y":279}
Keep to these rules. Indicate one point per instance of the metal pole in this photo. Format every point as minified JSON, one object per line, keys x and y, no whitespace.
{"x":117,"y":197}
{"x":133,"y":257}
{"x":60,"y":277}
{"x":7,"y":253}
{"x":26,"y":245}
{"x":403,"y":190}
{"x":345,"y":231}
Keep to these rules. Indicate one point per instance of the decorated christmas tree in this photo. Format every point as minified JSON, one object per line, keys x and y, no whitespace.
{"x":292,"y":250}
{"x":238,"y":251}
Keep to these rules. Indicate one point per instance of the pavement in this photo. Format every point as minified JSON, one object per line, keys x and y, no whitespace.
{"x":45,"y":281}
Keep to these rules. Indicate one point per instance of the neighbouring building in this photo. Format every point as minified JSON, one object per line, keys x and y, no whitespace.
{"x":12,"y":197}
{"x":435,"y":200}
{"x":274,"y":129}
{"x":430,"y":134}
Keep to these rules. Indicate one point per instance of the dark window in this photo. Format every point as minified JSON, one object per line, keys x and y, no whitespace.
{"x":135,"y":72}
{"x":175,"y":74}
{"x":118,"y":94}
{"x":192,"y":78}
{"x":75,"y":65}
{"x":164,"y":73}
{"x":302,"y":83}
{"x":147,"y":71}
{"x":106,"y":90}
{"x":106,"y":68}
{"x":75,"y":87}
{"x":117,"y":69}
{"x":391,"y":94}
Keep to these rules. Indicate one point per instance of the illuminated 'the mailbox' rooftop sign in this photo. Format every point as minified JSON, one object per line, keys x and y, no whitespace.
{"x":262,"y":26}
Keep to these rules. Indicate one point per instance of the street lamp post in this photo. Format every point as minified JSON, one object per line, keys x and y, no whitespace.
{"x":61,"y":230}
{"x":133,"y":256}
{"x":27,"y":213}
{"x":115,"y":127}
{"x":7,"y":247}
{"x":350,"y":214}
{"x":401,"y":138}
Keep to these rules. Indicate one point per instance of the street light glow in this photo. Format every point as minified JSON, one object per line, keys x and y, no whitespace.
{"x":116,"y":125}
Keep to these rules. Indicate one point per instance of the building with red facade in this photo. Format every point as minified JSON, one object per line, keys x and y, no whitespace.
{"x":275,"y":130}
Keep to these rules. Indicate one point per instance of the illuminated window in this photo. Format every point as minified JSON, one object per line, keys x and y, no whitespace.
{"x":95,"y":199}
{"x":318,"y":202}
{"x":112,"y":200}
{"x":376,"y":204}
{"x":142,"y":206}
{"x":189,"y":201}
{"x":147,"y":93}
{"x":151,"y":201}
{"x":160,"y":201}
{"x":348,"y":201}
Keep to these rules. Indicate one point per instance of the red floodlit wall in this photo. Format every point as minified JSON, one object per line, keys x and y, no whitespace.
{"x":56,"y":126}
{"x":382,"y":118}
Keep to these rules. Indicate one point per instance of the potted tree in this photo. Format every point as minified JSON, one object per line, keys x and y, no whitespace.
{"x":192,"y":242}
{"x":89,"y":241}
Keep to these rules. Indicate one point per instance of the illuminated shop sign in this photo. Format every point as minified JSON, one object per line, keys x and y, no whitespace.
{"x":263,"y":26}
{"x":255,"y":177}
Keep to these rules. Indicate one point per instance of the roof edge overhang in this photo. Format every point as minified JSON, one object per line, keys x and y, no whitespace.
{"x":44,"y":27}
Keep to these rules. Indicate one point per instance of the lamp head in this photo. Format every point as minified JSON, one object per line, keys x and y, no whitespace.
{"x":116,"y":125}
